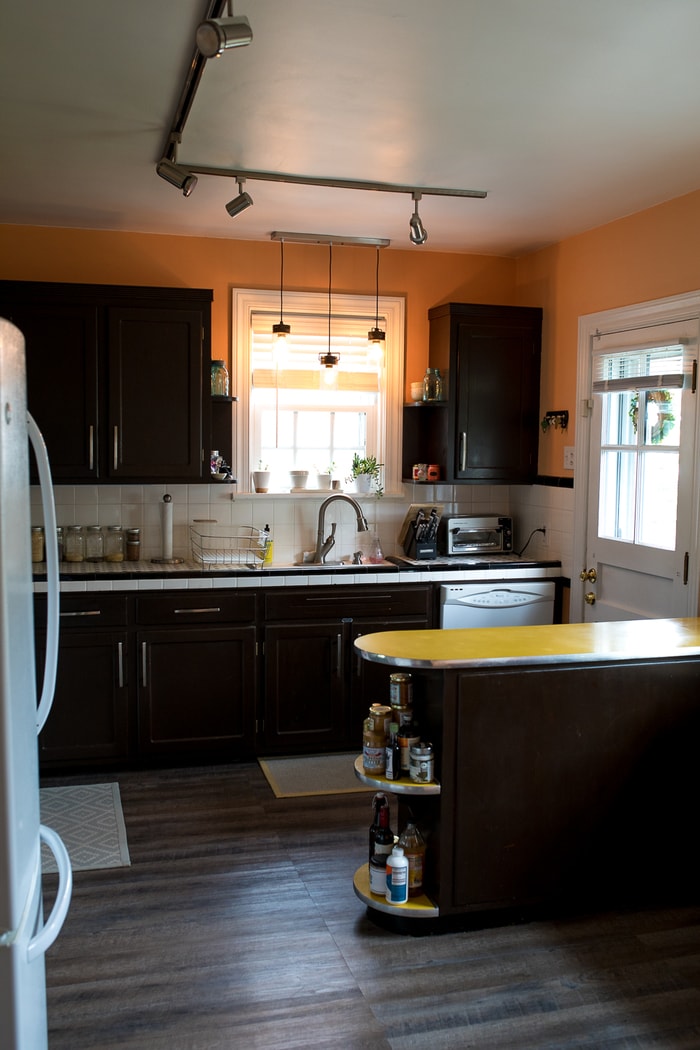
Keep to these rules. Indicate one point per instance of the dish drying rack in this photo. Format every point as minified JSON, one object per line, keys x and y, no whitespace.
{"x":214,"y":544}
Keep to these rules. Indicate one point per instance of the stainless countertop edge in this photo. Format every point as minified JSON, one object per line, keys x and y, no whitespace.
{"x":525,"y":661}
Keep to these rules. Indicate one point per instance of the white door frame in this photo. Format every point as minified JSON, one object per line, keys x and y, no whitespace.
{"x":624,"y":318}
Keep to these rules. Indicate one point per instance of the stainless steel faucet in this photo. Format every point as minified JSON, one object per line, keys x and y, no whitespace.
{"x":323,"y":547}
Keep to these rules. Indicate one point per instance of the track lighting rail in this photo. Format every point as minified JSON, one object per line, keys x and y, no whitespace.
{"x":343,"y":184}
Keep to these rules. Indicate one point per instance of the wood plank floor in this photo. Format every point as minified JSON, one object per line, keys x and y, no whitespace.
{"x":237,"y":926}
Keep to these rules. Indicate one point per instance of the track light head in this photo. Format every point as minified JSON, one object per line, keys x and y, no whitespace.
{"x":239,"y":203}
{"x":217,"y":35}
{"x":417,"y":231}
{"x":176,"y":176}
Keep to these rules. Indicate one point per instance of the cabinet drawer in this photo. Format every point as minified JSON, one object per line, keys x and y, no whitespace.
{"x":200,"y":607}
{"x":351,"y":601}
{"x":85,"y":610}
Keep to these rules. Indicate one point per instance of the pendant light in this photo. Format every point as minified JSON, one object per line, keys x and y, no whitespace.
{"x":376,"y":336}
{"x":280,"y":330}
{"x":329,"y":360}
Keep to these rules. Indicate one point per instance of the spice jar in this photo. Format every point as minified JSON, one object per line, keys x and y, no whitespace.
{"x":114,"y":543}
{"x":59,"y":542}
{"x":219,"y":379}
{"x":133,"y":544}
{"x":94,"y":544}
{"x":74,"y":547}
{"x":37,"y":543}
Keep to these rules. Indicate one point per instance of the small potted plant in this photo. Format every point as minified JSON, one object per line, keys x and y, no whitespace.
{"x":365,"y":472}
{"x":261,"y":477}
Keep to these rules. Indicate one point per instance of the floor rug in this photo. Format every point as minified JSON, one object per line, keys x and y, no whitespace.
{"x":89,"y":819}
{"x":312,"y":775}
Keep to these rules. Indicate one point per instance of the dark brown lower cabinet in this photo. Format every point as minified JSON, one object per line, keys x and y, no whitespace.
{"x":89,"y":719}
{"x":315,"y":690}
{"x":196,"y":675}
{"x":196,"y":690}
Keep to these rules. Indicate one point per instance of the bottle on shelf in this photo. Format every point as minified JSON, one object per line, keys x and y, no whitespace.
{"x":408,"y":737}
{"x":432,"y":385}
{"x":393,"y":754}
{"x":373,"y":745}
{"x":381,"y":842}
{"x":413,"y":846}
{"x":397,"y":876}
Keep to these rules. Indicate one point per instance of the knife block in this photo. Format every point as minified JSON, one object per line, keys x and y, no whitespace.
{"x":423,"y":551}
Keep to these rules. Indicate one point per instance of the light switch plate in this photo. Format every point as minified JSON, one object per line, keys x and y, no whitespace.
{"x":569,"y":454}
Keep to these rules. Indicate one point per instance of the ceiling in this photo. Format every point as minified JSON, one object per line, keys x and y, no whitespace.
{"x":569,"y":114}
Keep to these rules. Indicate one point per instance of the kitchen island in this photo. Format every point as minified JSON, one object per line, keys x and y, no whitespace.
{"x":567,"y":759}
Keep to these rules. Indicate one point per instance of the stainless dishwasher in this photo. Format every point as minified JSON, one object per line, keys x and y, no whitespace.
{"x":497,"y":604}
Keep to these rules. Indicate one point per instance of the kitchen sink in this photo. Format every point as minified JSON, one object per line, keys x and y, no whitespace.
{"x":329,"y":566}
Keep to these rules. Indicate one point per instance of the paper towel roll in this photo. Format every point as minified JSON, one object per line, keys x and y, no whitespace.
{"x":167,"y":527}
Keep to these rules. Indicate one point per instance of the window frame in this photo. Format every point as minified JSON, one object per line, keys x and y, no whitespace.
{"x":392,"y":309}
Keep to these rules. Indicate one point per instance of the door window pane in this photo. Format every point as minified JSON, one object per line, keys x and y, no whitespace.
{"x":616,"y":504}
{"x":658,"y":495}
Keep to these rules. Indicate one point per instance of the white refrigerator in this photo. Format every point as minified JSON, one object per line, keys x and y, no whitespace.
{"x":24,"y":934}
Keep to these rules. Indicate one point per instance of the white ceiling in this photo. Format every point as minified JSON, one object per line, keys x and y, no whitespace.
{"x":569,"y":113}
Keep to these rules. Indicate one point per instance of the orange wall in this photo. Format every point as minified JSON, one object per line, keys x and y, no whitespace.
{"x":424,"y":278}
{"x":645,"y":256}
{"x":650,"y":255}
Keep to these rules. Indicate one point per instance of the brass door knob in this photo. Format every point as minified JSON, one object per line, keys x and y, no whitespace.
{"x":589,"y":598}
{"x":591,"y":575}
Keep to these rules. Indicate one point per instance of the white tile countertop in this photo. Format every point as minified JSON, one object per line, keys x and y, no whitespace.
{"x":191,"y":575}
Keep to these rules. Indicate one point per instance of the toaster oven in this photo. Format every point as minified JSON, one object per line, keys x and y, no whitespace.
{"x":469,"y":534}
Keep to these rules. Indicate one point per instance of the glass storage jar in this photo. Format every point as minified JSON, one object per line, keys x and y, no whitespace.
{"x":37,"y":543}
{"x":74,"y":546}
{"x":114,"y":543}
{"x":94,"y":543}
{"x":133,"y":544}
{"x":432,"y":385}
{"x":219,"y":379}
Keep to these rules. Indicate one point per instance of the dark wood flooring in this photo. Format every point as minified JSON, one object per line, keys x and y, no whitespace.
{"x":236,"y":926}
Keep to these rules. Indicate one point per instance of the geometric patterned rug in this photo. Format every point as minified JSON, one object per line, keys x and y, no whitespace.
{"x":89,"y":819}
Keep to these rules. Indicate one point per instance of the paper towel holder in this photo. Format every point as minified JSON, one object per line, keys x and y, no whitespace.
{"x":166,"y":519}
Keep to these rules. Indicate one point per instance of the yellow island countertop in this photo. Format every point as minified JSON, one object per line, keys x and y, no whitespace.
{"x":557,"y":643}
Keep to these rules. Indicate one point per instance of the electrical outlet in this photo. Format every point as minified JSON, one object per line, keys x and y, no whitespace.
{"x":569,"y":453}
{"x":545,"y":535}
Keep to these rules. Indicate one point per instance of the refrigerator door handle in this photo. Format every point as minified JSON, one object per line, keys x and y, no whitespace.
{"x":52,"y":927}
{"x":52,"y":582}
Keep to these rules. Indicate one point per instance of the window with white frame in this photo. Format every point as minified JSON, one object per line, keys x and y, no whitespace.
{"x":290,"y":416}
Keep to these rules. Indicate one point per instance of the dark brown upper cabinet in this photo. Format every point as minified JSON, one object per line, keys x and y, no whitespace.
{"x":117,"y":378}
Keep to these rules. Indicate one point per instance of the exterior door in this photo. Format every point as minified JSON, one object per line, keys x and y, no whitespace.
{"x":640,"y":515}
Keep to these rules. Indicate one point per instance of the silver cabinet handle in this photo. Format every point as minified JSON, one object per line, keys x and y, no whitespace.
{"x":214,"y":609}
{"x":91,"y":446}
{"x":84,"y":612}
{"x":144,"y":664}
{"x":463,"y":451}
{"x":120,"y":664}
{"x":116,"y":448}
{"x":339,"y":643}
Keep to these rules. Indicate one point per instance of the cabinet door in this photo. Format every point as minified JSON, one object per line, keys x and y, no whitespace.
{"x":305,"y":707}
{"x":89,"y":720}
{"x":62,"y":392}
{"x":196,"y":692}
{"x":155,"y":393}
{"x":497,"y":406}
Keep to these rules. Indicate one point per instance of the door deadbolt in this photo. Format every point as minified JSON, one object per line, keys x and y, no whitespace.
{"x":591,"y":575}
{"x":589,"y":598}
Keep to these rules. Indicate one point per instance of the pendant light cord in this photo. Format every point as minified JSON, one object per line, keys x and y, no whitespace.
{"x":376,"y":295}
{"x":281,"y":280}
{"x":330,"y":272}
